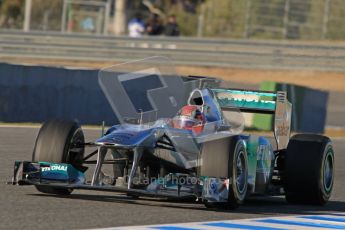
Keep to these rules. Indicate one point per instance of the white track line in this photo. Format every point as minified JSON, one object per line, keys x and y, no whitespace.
{"x":329,"y":221}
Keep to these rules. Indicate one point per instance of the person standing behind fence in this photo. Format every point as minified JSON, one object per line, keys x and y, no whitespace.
{"x":172,"y":28}
{"x":136,"y":26}
{"x":154,"y":25}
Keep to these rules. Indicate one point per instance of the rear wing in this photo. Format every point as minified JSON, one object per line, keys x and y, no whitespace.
{"x":265,"y":102}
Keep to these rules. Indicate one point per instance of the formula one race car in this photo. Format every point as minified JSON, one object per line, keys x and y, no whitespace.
{"x":181,"y":138}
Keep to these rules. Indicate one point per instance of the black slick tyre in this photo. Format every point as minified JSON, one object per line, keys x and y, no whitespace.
{"x":59,"y":141}
{"x":309,"y":169}
{"x":237,"y":174}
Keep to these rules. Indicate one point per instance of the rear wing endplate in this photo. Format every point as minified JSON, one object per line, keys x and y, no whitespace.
{"x":265,"y":102}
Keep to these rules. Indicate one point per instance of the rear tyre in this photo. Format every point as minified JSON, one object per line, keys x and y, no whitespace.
{"x":309,"y":169}
{"x":59,"y":141}
{"x":237,"y":174}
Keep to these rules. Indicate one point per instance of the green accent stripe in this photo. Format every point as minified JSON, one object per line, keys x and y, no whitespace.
{"x":245,"y":92}
{"x":249,"y":104}
{"x":225,"y":99}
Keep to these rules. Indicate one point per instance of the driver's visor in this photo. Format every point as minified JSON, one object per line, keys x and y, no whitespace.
{"x":182,"y":122}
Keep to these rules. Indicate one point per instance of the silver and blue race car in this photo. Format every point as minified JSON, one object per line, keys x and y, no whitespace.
{"x":182,"y":138}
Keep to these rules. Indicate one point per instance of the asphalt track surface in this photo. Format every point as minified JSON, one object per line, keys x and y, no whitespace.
{"x":22,"y":207}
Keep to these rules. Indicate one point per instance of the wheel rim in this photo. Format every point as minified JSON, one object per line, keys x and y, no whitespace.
{"x":240,"y":172}
{"x":328,"y":171}
{"x":75,"y":151}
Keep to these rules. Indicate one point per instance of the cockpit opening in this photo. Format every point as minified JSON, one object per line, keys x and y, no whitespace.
{"x":196,"y":98}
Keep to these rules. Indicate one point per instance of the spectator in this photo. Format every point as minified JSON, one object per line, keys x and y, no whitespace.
{"x":172,"y":28}
{"x":136,"y":26}
{"x":154,"y":25}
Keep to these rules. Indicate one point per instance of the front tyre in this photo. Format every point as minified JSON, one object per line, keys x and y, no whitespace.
{"x":59,"y":141}
{"x":309,"y":169}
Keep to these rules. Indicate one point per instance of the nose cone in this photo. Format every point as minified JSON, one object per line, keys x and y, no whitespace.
{"x":127,"y":138}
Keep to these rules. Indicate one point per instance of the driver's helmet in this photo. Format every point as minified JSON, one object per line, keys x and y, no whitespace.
{"x":189,"y":117}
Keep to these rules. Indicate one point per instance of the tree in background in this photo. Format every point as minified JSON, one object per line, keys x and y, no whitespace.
{"x":11,"y":13}
{"x":223,"y":18}
{"x":266,"y":19}
{"x":217,"y":17}
{"x":46,"y":15}
{"x":303,"y":20}
{"x":186,"y":12}
{"x":336,"y":22}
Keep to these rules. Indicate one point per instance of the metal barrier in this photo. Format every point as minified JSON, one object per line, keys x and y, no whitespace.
{"x":184,"y":51}
{"x":37,"y":93}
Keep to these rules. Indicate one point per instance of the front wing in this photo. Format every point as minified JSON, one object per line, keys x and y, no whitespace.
{"x":53,"y":175}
